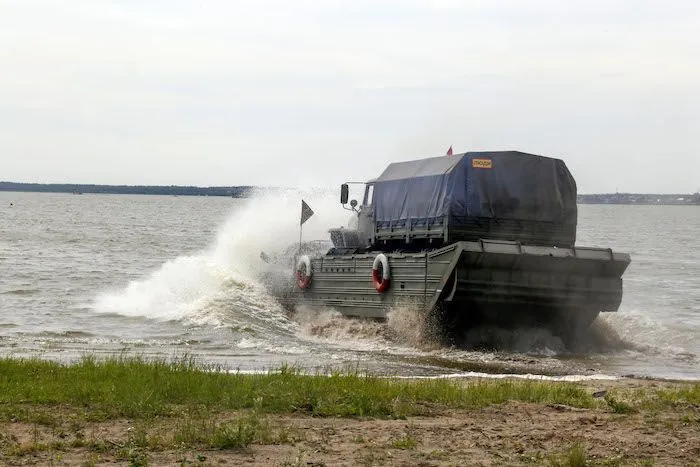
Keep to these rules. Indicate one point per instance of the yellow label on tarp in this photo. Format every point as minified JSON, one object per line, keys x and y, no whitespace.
{"x":482,"y":163}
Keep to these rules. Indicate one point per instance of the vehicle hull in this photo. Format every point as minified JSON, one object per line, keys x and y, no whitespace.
{"x":472,"y":283}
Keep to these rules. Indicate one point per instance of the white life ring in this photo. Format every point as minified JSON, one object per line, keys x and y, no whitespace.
{"x":381,"y":283}
{"x":303,"y":272}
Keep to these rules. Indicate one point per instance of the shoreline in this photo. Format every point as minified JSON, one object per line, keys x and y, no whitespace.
{"x":138,"y":412}
{"x":247,"y":191}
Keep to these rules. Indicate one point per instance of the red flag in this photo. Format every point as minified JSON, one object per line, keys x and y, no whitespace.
{"x":449,"y":151}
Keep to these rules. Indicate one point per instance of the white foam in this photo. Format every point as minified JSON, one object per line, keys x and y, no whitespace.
{"x":220,"y":285}
{"x":464,"y":375}
{"x":528,"y":376}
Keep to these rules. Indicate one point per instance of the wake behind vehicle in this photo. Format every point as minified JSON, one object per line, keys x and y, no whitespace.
{"x":474,"y":238}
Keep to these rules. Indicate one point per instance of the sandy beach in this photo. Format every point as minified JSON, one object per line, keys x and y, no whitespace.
{"x":626,"y":428}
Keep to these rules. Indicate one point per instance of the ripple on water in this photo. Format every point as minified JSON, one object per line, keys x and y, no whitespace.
{"x":65,"y":334}
{"x":20,"y":292}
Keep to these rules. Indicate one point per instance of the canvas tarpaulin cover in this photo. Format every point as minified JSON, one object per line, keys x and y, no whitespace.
{"x":493,"y":185}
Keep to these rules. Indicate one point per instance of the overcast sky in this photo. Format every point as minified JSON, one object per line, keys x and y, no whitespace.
{"x":313,"y":92}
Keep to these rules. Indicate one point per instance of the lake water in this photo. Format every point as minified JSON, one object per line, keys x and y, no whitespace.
{"x":173,"y":276}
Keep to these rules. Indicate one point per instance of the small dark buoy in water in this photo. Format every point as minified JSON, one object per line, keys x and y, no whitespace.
{"x":10,"y":204}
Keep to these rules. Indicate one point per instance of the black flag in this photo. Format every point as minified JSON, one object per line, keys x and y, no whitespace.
{"x":306,"y":212}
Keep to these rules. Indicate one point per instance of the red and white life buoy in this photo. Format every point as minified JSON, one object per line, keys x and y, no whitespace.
{"x":381,"y":283}
{"x":303,"y":272}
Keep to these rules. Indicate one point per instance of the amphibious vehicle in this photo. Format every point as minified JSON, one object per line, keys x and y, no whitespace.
{"x":473,"y":238}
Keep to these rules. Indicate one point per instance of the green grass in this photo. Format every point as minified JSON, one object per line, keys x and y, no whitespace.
{"x":618,"y":406}
{"x":407,"y":442}
{"x":575,"y":456}
{"x":225,"y":435}
{"x":139,"y":389}
{"x":687,"y":395}
{"x":623,"y":401}
{"x":253,"y":427}
{"x":181,"y":405}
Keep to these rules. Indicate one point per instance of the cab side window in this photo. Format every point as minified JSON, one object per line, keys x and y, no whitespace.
{"x":369,"y":194}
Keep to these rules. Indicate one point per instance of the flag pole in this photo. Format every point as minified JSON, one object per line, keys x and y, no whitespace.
{"x":306,"y":213}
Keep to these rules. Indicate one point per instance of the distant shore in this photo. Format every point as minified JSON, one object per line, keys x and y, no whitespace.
{"x":247,"y":191}
{"x":171,"y":190}
{"x":641,"y":198}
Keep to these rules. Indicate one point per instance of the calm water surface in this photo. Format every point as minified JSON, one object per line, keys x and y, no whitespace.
{"x":168,"y":276}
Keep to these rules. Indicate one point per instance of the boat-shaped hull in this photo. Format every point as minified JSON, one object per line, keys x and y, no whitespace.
{"x":472,"y":283}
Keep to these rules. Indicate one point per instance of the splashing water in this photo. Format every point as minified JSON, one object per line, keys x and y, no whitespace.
{"x":332,"y":327}
{"x":221,"y":285}
{"x":412,"y":326}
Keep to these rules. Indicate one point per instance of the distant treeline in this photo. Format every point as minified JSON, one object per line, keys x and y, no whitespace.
{"x":640,"y":198}
{"x":245,"y":191}
{"x":233,"y":191}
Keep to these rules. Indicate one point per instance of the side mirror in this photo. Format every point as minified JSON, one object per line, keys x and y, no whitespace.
{"x":344,"y":193}
{"x":353,"y":203}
